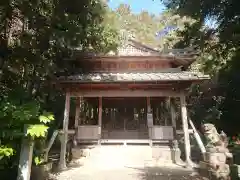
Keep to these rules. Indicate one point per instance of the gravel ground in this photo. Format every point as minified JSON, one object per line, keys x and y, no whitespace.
{"x":128,"y":173}
{"x":124,"y":163}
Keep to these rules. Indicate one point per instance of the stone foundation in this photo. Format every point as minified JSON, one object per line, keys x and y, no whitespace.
{"x":79,"y":152}
{"x":222,"y":173}
{"x":162,"y":153}
{"x":130,"y":154}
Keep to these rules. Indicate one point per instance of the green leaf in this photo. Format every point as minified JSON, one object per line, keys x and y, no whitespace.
{"x":46,"y":117}
{"x":38,"y":160}
{"x":38,"y":130}
{"x":43,"y":119}
{"x":6,"y":151}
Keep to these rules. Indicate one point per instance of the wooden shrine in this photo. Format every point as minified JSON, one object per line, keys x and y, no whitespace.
{"x":136,"y":95}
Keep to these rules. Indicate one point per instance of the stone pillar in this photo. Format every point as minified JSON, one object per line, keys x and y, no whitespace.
{"x":64,"y":136}
{"x":185,"y":130}
{"x":25,"y":161}
{"x":100,"y":119}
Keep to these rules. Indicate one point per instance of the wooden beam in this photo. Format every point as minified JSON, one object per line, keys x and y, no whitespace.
{"x":111,"y":83}
{"x":198,"y":138}
{"x":75,"y":85}
{"x":64,"y":137}
{"x":127,"y":93}
{"x":185,"y":130}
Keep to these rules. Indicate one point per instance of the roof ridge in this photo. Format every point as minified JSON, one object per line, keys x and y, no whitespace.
{"x":143,"y":45}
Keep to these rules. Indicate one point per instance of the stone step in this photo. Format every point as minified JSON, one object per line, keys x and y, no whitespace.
{"x":131,"y":155}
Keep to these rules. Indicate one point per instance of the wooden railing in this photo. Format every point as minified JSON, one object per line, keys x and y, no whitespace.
{"x":50,"y":143}
{"x":161,"y":133}
{"x":88,"y":132}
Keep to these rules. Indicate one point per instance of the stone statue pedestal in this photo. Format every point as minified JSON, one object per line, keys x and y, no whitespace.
{"x":214,"y":166}
{"x":216,"y":159}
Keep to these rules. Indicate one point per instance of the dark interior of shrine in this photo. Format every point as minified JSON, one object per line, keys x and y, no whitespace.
{"x":125,"y":112}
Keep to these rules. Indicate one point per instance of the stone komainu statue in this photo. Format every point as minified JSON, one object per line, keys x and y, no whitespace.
{"x":217,"y":152}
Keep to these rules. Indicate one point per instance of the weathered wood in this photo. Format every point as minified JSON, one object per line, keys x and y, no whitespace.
{"x":175,"y":144}
{"x":190,"y":131}
{"x":100,"y":118}
{"x":54,"y":135}
{"x":77,"y":113}
{"x":198,"y":138}
{"x":64,"y":137}
{"x":69,"y":131}
{"x":162,"y":133}
{"x":149,"y":120}
{"x":173,"y":118}
{"x":88,"y":132}
{"x":168,"y":104}
{"x":185,"y":130}
{"x":124,"y":134}
{"x":122,"y":65}
{"x":81,"y":110}
{"x":126,"y":93}
{"x":25,"y":161}
{"x":148,"y":104}
{"x":75,"y":86}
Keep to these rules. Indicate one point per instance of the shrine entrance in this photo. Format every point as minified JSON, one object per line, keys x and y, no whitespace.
{"x":124,"y":118}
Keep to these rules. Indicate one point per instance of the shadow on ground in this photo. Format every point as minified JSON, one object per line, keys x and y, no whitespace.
{"x":167,"y":173}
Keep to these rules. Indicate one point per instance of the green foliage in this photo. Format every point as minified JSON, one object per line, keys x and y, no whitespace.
{"x":35,"y":38}
{"x":144,"y":26}
{"x":5,"y":152}
{"x":46,"y":117}
{"x":38,"y":160}
{"x":38,"y":130}
{"x":219,"y":46}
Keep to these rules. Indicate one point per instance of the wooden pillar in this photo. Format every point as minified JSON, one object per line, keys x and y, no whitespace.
{"x":185,"y":130}
{"x":149,"y":120}
{"x":77,"y":114}
{"x":148,"y":105}
{"x":81,"y":106}
{"x":100,"y":119}
{"x":176,"y":153}
{"x":64,"y":136}
{"x":168,"y":105}
{"x":173,"y":118}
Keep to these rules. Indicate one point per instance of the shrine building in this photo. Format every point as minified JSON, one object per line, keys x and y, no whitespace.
{"x":137,"y":95}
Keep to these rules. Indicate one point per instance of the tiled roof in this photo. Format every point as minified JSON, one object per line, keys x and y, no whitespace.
{"x":139,"y":77}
